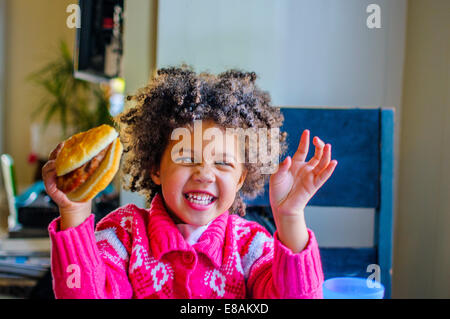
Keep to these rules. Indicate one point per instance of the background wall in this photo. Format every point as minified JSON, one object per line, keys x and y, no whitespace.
{"x":422,"y":254}
{"x":2,"y":72}
{"x":33,"y":29}
{"x":306,"y":53}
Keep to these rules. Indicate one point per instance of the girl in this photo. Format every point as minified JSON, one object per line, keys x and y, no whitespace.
{"x":191,"y":242}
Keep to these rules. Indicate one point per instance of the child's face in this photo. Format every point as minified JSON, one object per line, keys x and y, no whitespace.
{"x":196,"y":193}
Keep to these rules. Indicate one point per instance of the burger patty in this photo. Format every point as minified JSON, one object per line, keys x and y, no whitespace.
{"x":72,"y":180}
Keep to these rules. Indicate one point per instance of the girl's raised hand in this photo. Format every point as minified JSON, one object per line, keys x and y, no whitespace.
{"x":296,"y":181}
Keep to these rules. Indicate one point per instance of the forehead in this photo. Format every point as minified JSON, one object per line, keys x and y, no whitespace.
{"x":192,"y":135}
{"x":204,"y":125}
{"x":203,"y":130}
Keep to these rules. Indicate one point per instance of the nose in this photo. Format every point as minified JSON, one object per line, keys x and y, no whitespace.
{"x":203,"y":173}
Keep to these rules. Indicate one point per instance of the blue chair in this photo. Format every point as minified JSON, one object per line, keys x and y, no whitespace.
{"x":363,"y":145}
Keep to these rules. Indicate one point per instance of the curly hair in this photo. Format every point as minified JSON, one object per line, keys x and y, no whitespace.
{"x":175,"y":97}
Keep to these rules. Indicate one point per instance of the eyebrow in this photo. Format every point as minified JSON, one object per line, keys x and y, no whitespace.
{"x":179,"y":150}
{"x":227,"y":155}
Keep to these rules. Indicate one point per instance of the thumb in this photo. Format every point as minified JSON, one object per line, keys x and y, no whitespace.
{"x":285,"y":165}
{"x":283,"y":168}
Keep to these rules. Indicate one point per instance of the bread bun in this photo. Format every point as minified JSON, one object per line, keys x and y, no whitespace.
{"x":88,"y":162}
{"x":82,"y":147}
{"x":102,"y":176}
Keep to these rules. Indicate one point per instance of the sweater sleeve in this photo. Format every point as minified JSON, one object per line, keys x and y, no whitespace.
{"x":86,"y":267}
{"x":279,"y":273}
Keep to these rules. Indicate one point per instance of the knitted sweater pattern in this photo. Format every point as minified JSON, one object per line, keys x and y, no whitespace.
{"x":140,"y":253}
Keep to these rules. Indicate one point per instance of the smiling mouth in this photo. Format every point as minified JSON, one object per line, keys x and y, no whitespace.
{"x":200,"y":198}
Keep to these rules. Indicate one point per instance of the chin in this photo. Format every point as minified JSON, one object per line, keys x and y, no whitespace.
{"x":200,"y":221}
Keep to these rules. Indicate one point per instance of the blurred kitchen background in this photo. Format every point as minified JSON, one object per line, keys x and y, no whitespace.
{"x":317,"y":53}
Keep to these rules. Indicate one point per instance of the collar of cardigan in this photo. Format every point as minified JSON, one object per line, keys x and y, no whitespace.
{"x":165,"y":236}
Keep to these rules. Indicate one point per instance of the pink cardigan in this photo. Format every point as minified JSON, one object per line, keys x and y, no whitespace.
{"x":139,"y":253}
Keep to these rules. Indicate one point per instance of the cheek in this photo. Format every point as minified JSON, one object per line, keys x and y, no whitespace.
{"x":228,"y":184}
{"x":174,"y":180}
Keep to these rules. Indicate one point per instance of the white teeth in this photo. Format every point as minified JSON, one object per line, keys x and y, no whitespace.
{"x":202,"y":199}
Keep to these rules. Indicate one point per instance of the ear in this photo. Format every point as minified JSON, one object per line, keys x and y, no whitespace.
{"x":156,"y":178}
{"x":242,"y":179}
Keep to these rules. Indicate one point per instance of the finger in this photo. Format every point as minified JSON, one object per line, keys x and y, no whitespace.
{"x":318,"y":152}
{"x":285,"y":165}
{"x":48,"y":167}
{"x":303,"y":147}
{"x":49,"y":173}
{"x":49,"y":178}
{"x":325,"y":174}
{"x":283,"y":168}
{"x":324,"y":161}
{"x":56,"y":151}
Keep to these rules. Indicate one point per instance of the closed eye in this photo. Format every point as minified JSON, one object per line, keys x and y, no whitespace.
{"x":224,"y":164}
{"x":185,"y":160}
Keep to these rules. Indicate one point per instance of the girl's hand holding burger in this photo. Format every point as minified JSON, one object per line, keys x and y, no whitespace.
{"x":78,"y":169}
{"x":72,"y":213}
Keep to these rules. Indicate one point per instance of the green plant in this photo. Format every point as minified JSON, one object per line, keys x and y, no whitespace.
{"x":79,"y":105}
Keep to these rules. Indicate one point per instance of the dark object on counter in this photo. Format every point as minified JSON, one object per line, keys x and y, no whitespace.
{"x":39,"y":213}
{"x":43,"y":289}
{"x":105,"y":204}
{"x":34,"y":218}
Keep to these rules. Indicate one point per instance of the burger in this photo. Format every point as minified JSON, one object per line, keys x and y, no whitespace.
{"x":87,"y":162}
